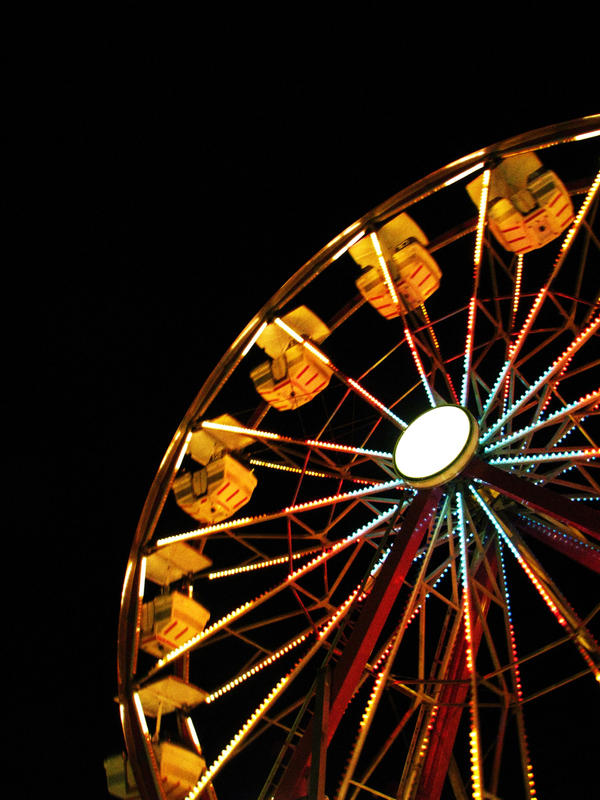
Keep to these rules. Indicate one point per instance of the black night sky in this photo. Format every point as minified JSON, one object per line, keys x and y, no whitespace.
{"x":166,"y":194}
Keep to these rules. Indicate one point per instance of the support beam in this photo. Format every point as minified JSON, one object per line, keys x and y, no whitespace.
{"x":583,"y":517}
{"x":139,"y":748}
{"x":316,"y":788}
{"x":452,"y":699}
{"x":348,"y":671}
{"x":588,"y":555}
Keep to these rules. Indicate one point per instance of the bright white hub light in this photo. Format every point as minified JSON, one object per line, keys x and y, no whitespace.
{"x":436,"y":446}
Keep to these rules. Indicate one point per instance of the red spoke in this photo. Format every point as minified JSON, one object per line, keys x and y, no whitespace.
{"x":537,"y":497}
{"x":586,"y":554}
{"x":349,"y":668}
{"x":451,"y":702}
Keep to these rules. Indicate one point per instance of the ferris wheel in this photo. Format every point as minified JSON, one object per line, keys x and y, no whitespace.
{"x":370,"y":552}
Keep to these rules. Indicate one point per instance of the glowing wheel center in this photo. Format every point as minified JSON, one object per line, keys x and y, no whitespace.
{"x":436,"y":446}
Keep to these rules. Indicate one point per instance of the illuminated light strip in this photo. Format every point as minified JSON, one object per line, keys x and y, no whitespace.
{"x":346,"y":247}
{"x":257,"y":462}
{"x":301,"y":340}
{"x":517,"y":290}
{"x":323,"y":630}
{"x":429,"y":326}
{"x":517,"y":675}
{"x":463,"y":174}
{"x":581,"y":213}
{"x":468,"y":351}
{"x":384,"y":268}
{"x":543,"y":478}
{"x":465,"y":581}
{"x":428,"y":729}
{"x":419,"y":365}
{"x":555,"y":533}
{"x":250,"y":604}
{"x":242,"y":522}
{"x":226,"y":573}
{"x":474,"y":737}
{"x":149,"y":746}
{"x":516,"y":346}
{"x":181,"y":455}
{"x":414,"y":614}
{"x":514,"y":310}
{"x":340,"y":448}
{"x":342,"y":544}
{"x":536,"y":582}
{"x":377,"y":566}
{"x":535,"y":458}
{"x":344,"y":233}
{"x":374,"y":696}
{"x":316,"y":352}
{"x":193,"y":735}
{"x":483,"y":201}
{"x":227,"y":687}
{"x":499,"y":382}
{"x":128,"y":572}
{"x":140,"y":714}
{"x":254,"y":337}
{"x":556,"y":416}
{"x":289,"y":330}
{"x":573,"y":427}
{"x":581,"y":136}
{"x":244,"y":333}
{"x":221,"y":426}
{"x":378,"y":404}
{"x":363,"y":730}
{"x":142,"y":582}
{"x":342,"y":609}
{"x":507,"y":385}
{"x":418,"y":608}
{"x":553,"y":386}
{"x":146,"y":733}
{"x":172,"y":446}
{"x":554,"y":368}
{"x":216,"y":626}
{"x":267,"y":702}
{"x":437,"y":347}
{"x":526,"y":327}
{"x":387,"y":658}
{"x":343,"y":448}
{"x":239,"y":736}
{"x":344,"y":378}
{"x":388,"y":648}
{"x":421,"y":752}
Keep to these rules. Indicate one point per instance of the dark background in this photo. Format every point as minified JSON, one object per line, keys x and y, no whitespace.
{"x":166,"y":185}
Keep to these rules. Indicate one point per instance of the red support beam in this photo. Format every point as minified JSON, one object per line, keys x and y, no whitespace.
{"x":582,"y":517}
{"x":316,"y":789}
{"x":588,"y":555}
{"x":452,"y":699}
{"x":350,"y":668}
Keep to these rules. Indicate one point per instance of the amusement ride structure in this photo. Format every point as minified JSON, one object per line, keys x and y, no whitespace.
{"x":371,"y":550}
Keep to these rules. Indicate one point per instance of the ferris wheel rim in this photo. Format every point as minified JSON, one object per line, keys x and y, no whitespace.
{"x":311,"y":269}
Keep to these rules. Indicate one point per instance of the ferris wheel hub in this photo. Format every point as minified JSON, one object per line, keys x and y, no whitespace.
{"x":436,"y":446}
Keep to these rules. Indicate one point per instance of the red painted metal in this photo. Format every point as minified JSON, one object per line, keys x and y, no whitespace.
{"x":319,"y":737}
{"x":349,"y":669}
{"x":451,"y":703}
{"x":588,"y":555}
{"x":583,"y":517}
